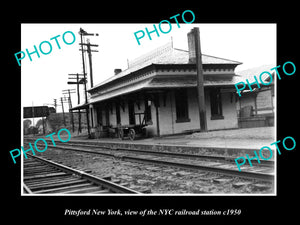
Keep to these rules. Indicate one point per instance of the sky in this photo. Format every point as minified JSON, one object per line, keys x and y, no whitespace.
{"x":44,"y":78}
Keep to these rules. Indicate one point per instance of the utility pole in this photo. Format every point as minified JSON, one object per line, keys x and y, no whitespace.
{"x":89,"y":51}
{"x":194,"y":35}
{"x":62,"y":106}
{"x":84,"y":33}
{"x":33,"y":118}
{"x":69,"y":91}
{"x":81,"y":32}
{"x":79,"y":80}
{"x":55,"y":104}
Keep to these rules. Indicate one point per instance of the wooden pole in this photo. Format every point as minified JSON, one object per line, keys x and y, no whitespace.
{"x":200,"y":81}
{"x":84,"y":74}
{"x":62,"y":106}
{"x":90,"y":62}
{"x":71,"y":112}
{"x":78,"y":97}
{"x":156,"y":103}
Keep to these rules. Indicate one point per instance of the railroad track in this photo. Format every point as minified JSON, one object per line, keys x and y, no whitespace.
{"x":266,"y":163}
{"x":42,"y":176}
{"x":171,"y":154}
{"x":216,"y":164}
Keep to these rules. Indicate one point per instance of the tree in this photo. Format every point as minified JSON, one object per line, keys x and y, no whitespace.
{"x":39,"y":123}
{"x":26,"y":125}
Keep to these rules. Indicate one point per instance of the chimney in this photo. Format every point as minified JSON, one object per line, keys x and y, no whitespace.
{"x":117,"y":71}
{"x":192,"y":47}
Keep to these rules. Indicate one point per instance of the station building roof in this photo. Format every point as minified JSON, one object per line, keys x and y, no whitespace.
{"x":163,"y":68}
{"x":165,"y":55}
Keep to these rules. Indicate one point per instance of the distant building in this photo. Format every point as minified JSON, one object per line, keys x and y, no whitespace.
{"x":256,"y":108}
{"x":160,"y":89}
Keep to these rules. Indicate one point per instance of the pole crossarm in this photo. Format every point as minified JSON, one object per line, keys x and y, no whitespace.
{"x":85,"y":50}
{"x":76,"y":74}
{"x":73,"y":89}
{"x":73,"y":78}
{"x":89,"y":44}
{"x":71,"y":92}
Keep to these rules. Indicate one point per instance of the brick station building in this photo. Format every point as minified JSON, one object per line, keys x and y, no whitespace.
{"x":159,"y":90}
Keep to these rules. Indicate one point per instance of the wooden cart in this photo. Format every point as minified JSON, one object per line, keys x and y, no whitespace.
{"x":133,"y":130}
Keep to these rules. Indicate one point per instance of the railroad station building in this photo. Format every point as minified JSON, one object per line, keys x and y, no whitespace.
{"x":159,"y":90}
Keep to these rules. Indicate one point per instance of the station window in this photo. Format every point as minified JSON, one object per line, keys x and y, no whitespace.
{"x":182,"y":110}
{"x":216,"y":104}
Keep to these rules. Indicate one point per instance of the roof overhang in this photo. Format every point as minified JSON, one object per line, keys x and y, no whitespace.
{"x":82,"y":106}
{"x":160,"y":83}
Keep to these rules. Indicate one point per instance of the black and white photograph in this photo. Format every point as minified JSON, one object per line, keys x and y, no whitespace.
{"x":191,"y":112}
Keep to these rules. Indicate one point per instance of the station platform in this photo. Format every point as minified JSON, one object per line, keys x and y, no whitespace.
{"x":225,"y":142}
{"x":236,"y":138}
{"x":235,"y":142}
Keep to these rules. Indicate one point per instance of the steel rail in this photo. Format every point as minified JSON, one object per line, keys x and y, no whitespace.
{"x":115,"y":188}
{"x":244,"y":174}
{"x":164,"y":153}
{"x":27,"y":189}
